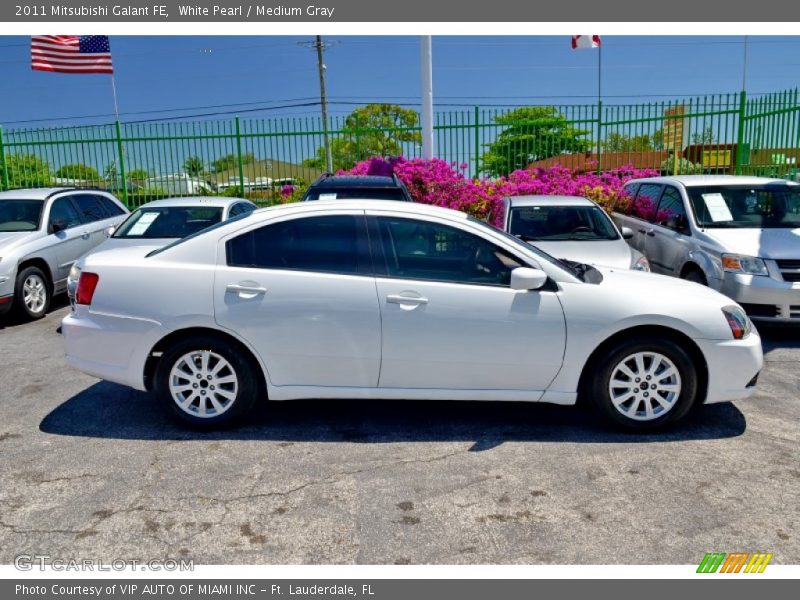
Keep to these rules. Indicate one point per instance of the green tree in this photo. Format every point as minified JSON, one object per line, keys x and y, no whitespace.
{"x":704,"y":137}
{"x":26,"y":170}
{"x":194,"y":166}
{"x":619,"y":142}
{"x":531,"y":133}
{"x":371,"y":130}
{"x":229,"y":161}
{"x":111,"y":173}
{"x":138,"y":175}
{"x":78,"y":171}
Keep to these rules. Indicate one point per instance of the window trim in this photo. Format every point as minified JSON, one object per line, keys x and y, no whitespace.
{"x":364,"y":261}
{"x":376,"y":244}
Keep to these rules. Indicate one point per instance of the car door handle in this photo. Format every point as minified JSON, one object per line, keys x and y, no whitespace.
{"x":235,"y":288}
{"x":651,"y":232}
{"x":85,"y":235}
{"x":400,"y":299}
{"x":642,"y":231}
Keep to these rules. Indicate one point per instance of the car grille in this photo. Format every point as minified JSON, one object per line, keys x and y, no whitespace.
{"x":794,"y":312}
{"x":762,"y":310}
{"x":790,"y":269}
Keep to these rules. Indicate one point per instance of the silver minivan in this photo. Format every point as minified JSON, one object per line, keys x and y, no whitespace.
{"x":42,"y":233}
{"x":738,"y":235}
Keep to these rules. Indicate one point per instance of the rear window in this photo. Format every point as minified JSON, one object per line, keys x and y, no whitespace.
{"x":358,"y":193}
{"x":168,"y":222}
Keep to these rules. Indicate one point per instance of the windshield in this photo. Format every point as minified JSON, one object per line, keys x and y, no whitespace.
{"x":768,"y":206}
{"x":561,"y":223}
{"x":20,"y":215}
{"x":168,"y":222}
{"x":357,"y":193}
{"x":527,"y":247}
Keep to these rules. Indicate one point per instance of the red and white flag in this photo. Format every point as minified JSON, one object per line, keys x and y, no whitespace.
{"x":71,"y":54}
{"x":580,"y":42}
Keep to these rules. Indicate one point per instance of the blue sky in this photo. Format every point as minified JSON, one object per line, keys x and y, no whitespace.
{"x":191,"y":73}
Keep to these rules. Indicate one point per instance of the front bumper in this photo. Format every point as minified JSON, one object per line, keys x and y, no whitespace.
{"x":733,"y":366}
{"x":763,"y":297}
{"x":6,"y":293}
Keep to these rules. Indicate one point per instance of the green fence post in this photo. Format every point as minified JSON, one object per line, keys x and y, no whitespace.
{"x":121,"y":154}
{"x":3,"y":166}
{"x":358,"y":140}
{"x":477,"y":142}
{"x":239,"y":155}
{"x":599,"y":133}
{"x":740,"y":132}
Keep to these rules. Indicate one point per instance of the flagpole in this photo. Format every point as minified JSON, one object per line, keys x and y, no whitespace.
{"x":114,"y":93}
{"x":599,"y":102}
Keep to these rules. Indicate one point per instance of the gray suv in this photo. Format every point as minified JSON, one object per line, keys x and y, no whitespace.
{"x":42,"y":232}
{"x":738,"y":235}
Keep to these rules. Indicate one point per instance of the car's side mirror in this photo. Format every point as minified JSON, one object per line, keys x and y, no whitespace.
{"x":627,"y":233}
{"x":56,"y":226}
{"x":110,"y":231}
{"x":526,"y":278}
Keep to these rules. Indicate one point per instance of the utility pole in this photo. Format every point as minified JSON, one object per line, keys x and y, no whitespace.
{"x":320,"y":46}
{"x":426,"y":84}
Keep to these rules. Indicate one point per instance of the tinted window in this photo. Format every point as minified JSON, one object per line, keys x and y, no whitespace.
{"x":644,"y":205}
{"x":20,"y":215}
{"x":768,"y":206}
{"x":671,"y":212}
{"x":356,"y":193}
{"x":111,"y":207}
{"x":64,"y":214}
{"x":90,"y":207}
{"x":430,"y":251}
{"x":561,"y":223}
{"x":331,"y":244}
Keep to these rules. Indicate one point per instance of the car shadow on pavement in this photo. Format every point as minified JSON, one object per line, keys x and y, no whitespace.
{"x":107,"y":410}
{"x":774,"y":337}
{"x":12,"y":319}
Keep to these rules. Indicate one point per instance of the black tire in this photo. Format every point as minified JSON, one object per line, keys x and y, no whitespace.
{"x":600,"y":378}
{"x":695,"y":276}
{"x":38,"y":308}
{"x":242,"y":396}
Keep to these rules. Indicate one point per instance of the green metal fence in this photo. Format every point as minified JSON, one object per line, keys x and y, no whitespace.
{"x":722,"y":133}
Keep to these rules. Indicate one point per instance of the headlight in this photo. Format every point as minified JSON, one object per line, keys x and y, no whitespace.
{"x":750,"y":265}
{"x":738,"y":321}
{"x":641,"y":264}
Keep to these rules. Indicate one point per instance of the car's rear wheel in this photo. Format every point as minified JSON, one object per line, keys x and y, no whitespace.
{"x":32,"y":293}
{"x":644,"y":384}
{"x":206,"y":382}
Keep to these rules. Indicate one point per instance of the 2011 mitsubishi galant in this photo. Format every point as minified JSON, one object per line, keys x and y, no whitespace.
{"x":386,"y":300}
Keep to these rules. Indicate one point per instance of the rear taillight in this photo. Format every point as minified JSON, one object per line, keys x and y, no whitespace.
{"x":86,"y":287}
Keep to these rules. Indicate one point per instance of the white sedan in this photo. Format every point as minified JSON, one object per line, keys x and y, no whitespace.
{"x":360,"y":299}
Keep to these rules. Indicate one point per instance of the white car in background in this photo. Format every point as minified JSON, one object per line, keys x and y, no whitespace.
{"x":572,"y":228}
{"x":392,"y":300}
{"x":161,"y":222}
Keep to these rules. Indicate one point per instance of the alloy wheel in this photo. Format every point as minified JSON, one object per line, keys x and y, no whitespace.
{"x":644,"y":386}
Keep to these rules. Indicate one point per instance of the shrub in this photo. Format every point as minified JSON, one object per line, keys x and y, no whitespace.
{"x":78,"y":171}
{"x":26,"y":170}
{"x":685,"y":167}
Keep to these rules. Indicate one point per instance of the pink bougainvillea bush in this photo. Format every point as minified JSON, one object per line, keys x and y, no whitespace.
{"x":436,"y":181}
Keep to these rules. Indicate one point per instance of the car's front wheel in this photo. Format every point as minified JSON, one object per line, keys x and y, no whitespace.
{"x":644,"y":384}
{"x":32,"y":293}
{"x":206,"y":382}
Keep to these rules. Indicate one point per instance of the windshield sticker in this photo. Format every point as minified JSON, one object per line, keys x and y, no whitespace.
{"x":717,"y":207}
{"x":328,"y":196}
{"x":143,"y":223}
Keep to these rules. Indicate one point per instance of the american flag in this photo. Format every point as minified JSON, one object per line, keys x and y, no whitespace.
{"x":585,"y":41}
{"x":71,"y":53}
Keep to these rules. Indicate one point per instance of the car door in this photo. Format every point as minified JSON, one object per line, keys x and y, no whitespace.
{"x":301,"y":291}
{"x":95,"y":217}
{"x":670,"y":241}
{"x":450,"y":319}
{"x":69,"y":237}
{"x":643,"y":212}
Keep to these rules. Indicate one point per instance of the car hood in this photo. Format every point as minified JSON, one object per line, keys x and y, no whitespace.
{"x":665,"y":288}
{"x":609,"y":253}
{"x":764,"y":243}
{"x":11,"y":239}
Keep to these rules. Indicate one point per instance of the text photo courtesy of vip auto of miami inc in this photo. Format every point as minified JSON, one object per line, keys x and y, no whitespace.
{"x":399,"y":300}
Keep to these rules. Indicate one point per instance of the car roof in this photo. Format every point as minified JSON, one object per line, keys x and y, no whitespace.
{"x":214,"y":201}
{"x":40,"y":193}
{"x":356,"y":181}
{"x":703,"y":180}
{"x":548,"y":201}
{"x":398,"y":206}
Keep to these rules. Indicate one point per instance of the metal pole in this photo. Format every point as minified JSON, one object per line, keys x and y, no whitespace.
{"x":114,"y":93}
{"x":599,"y":105}
{"x":324,"y":101}
{"x":744,"y":66}
{"x":426,"y":75}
